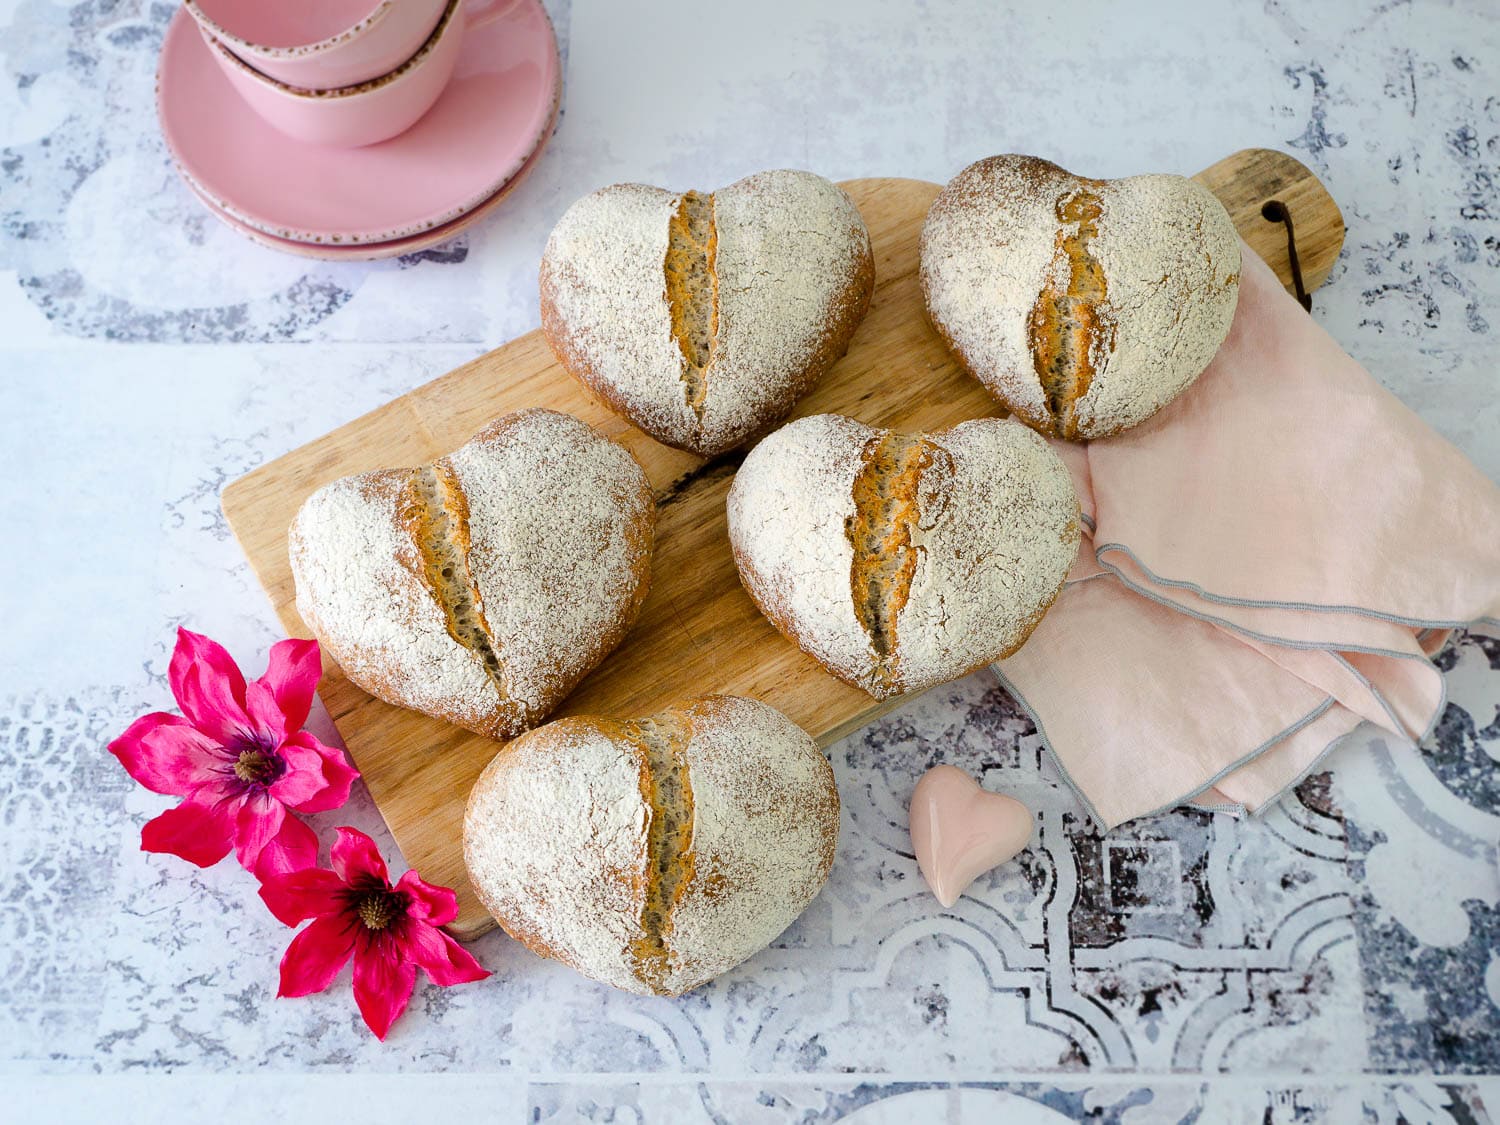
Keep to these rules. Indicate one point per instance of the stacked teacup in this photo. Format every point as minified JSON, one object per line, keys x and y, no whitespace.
{"x":344,"y":73}
{"x":356,"y":129}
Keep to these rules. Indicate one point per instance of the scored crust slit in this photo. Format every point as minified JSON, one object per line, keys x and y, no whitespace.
{"x":693,"y":294}
{"x":437,"y":516}
{"x":880,"y":534}
{"x":1072,"y":326}
{"x":668,"y":792}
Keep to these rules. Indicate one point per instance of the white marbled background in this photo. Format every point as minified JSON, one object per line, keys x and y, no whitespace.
{"x":1336,"y":960}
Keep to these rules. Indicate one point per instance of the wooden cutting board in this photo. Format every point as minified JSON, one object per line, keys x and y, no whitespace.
{"x":698,"y":631}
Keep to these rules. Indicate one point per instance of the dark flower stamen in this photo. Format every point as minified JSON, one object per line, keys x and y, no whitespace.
{"x":257,"y":767}
{"x":378,"y":909}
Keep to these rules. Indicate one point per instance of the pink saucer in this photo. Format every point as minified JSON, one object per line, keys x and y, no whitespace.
{"x":490,"y":120}
{"x":371,"y":251}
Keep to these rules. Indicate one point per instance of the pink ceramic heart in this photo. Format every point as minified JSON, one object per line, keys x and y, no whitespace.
{"x":959,"y":831}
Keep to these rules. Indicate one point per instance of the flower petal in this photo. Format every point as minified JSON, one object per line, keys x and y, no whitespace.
{"x":264,"y":714}
{"x":445,"y":961}
{"x":292,"y":673}
{"x":298,"y":895}
{"x":317,"y":777}
{"x":437,"y":906}
{"x":316,"y":955}
{"x":293,"y":848}
{"x":355,"y":856}
{"x":167,"y":754}
{"x":383,"y":980}
{"x":198,"y":665}
{"x":210,"y":702}
{"x":199,"y":832}
{"x":194,"y":648}
{"x":255,"y":825}
{"x":302,"y":775}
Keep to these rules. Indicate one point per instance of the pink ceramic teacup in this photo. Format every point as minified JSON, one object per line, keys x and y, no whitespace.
{"x":373,"y":111}
{"x":320,"y":44}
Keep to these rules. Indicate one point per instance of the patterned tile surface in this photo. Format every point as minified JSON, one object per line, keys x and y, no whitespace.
{"x":1336,"y":960}
{"x":1016,"y":1103}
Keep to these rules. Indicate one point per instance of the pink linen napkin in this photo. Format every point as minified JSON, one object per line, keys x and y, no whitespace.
{"x":1271,"y":559}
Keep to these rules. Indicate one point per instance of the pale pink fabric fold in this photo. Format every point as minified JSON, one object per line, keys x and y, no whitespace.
{"x":1273,"y":558}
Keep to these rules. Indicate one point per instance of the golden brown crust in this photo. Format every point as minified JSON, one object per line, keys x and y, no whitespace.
{"x":1084,"y":306}
{"x":435,"y":513}
{"x":572,"y":357}
{"x":848,"y":310}
{"x":630,"y":886}
{"x":787,"y":626}
{"x":891,"y":558}
{"x":428,"y":523}
{"x":667,"y":790}
{"x":955,"y":543}
{"x":695,"y":313}
{"x":1038,"y":174}
{"x":722,"y":871}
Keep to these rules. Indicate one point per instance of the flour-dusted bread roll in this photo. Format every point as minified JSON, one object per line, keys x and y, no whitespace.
{"x":654,"y":854}
{"x":704,"y":317}
{"x":481,"y":587}
{"x":1085,"y":306}
{"x":902,"y":561}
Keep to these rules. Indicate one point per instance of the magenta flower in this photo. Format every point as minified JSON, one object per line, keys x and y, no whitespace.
{"x":390,"y":931}
{"x":238,"y":757}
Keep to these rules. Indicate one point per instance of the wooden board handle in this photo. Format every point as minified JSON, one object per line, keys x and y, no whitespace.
{"x":1248,"y":180}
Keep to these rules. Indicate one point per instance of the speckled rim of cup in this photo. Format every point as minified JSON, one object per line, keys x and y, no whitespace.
{"x":301,"y":50}
{"x":405,"y":68}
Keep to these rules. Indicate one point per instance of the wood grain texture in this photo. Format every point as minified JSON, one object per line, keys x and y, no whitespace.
{"x":1248,"y":180}
{"x":698,"y":631}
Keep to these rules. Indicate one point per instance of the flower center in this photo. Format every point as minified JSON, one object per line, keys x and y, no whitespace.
{"x":257,"y":767}
{"x":378,"y":909}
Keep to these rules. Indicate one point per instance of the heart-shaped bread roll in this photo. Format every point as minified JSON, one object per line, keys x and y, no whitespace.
{"x":480,"y":588}
{"x":654,"y":854}
{"x":704,"y":317}
{"x":1085,"y":306}
{"x":902,"y":561}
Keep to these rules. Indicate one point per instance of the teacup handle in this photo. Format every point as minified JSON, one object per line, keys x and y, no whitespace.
{"x":477,"y":13}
